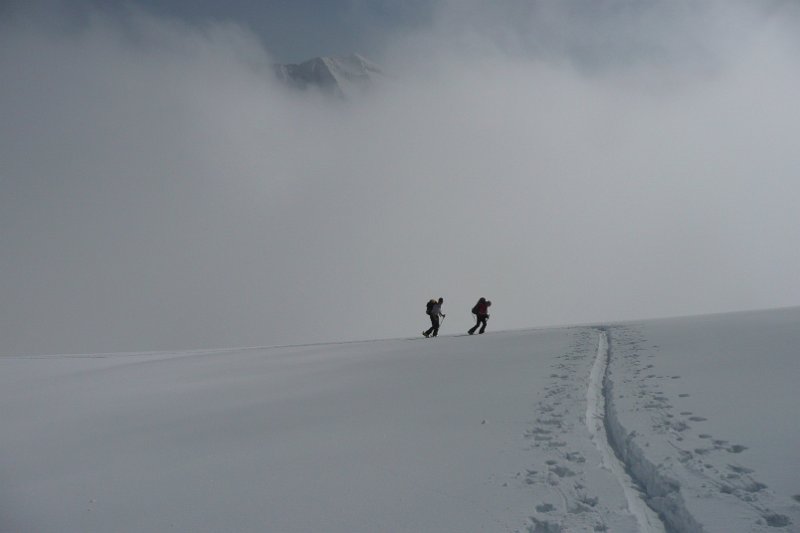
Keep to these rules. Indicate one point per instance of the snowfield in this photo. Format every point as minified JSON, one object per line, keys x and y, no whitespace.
{"x":670,"y":425}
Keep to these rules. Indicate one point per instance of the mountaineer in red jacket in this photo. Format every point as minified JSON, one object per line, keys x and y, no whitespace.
{"x":481,"y":312}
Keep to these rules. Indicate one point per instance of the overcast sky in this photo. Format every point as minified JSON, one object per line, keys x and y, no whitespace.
{"x":571,"y":161}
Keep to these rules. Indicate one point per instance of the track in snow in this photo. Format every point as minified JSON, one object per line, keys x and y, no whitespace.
{"x":648,"y":520}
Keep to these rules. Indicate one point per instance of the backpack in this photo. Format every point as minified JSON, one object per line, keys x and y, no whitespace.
{"x":429,"y":306}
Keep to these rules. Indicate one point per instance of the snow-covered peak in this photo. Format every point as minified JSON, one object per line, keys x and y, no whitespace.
{"x":345,"y":76}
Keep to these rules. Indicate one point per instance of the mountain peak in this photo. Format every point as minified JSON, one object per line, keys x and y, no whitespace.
{"x":343,"y":76}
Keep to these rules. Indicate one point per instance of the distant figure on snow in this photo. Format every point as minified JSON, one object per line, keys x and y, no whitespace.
{"x":434,"y":310}
{"x":481,"y":311}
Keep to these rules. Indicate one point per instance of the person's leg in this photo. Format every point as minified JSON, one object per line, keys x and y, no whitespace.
{"x":434,"y":326}
{"x":482,"y":321}
{"x":435,"y":320}
{"x":477,"y":323}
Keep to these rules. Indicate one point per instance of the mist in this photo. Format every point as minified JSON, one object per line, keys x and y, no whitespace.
{"x":160,"y":190}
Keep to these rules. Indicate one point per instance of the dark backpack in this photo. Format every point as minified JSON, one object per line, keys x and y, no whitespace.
{"x":476,"y":309}
{"x":429,"y":306}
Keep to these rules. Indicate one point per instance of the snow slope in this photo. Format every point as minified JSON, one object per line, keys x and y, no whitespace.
{"x":711,"y":407}
{"x":543,"y":430}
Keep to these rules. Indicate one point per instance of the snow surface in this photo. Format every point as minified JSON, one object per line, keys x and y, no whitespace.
{"x":646,"y":517}
{"x":511,"y":431}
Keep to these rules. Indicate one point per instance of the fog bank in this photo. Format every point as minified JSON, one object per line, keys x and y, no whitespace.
{"x":159,"y":190}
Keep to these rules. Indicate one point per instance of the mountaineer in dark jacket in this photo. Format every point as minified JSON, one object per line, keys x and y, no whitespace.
{"x":434,"y":310}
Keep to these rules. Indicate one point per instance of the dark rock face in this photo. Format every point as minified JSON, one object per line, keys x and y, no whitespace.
{"x":340,"y":76}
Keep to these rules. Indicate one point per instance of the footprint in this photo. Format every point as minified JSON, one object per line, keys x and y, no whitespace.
{"x":740,"y":469}
{"x":777,"y":520}
{"x":545,"y":508}
{"x":575,"y":457}
{"x":679,"y":426}
{"x":562,"y":471}
{"x":554,"y":421}
{"x":704,"y":436}
{"x":736,"y":448}
{"x":686,"y":413}
{"x":697,"y":419}
{"x":755,"y":486}
{"x":544,"y":526}
{"x":684,"y":395}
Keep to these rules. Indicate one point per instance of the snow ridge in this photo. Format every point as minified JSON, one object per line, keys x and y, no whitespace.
{"x":661,"y":493}
{"x":596,"y":402}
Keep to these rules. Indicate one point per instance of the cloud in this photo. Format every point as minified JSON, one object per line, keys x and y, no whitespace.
{"x":160,"y":190}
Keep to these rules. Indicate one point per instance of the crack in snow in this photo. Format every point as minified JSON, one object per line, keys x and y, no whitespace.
{"x":647,"y":518}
